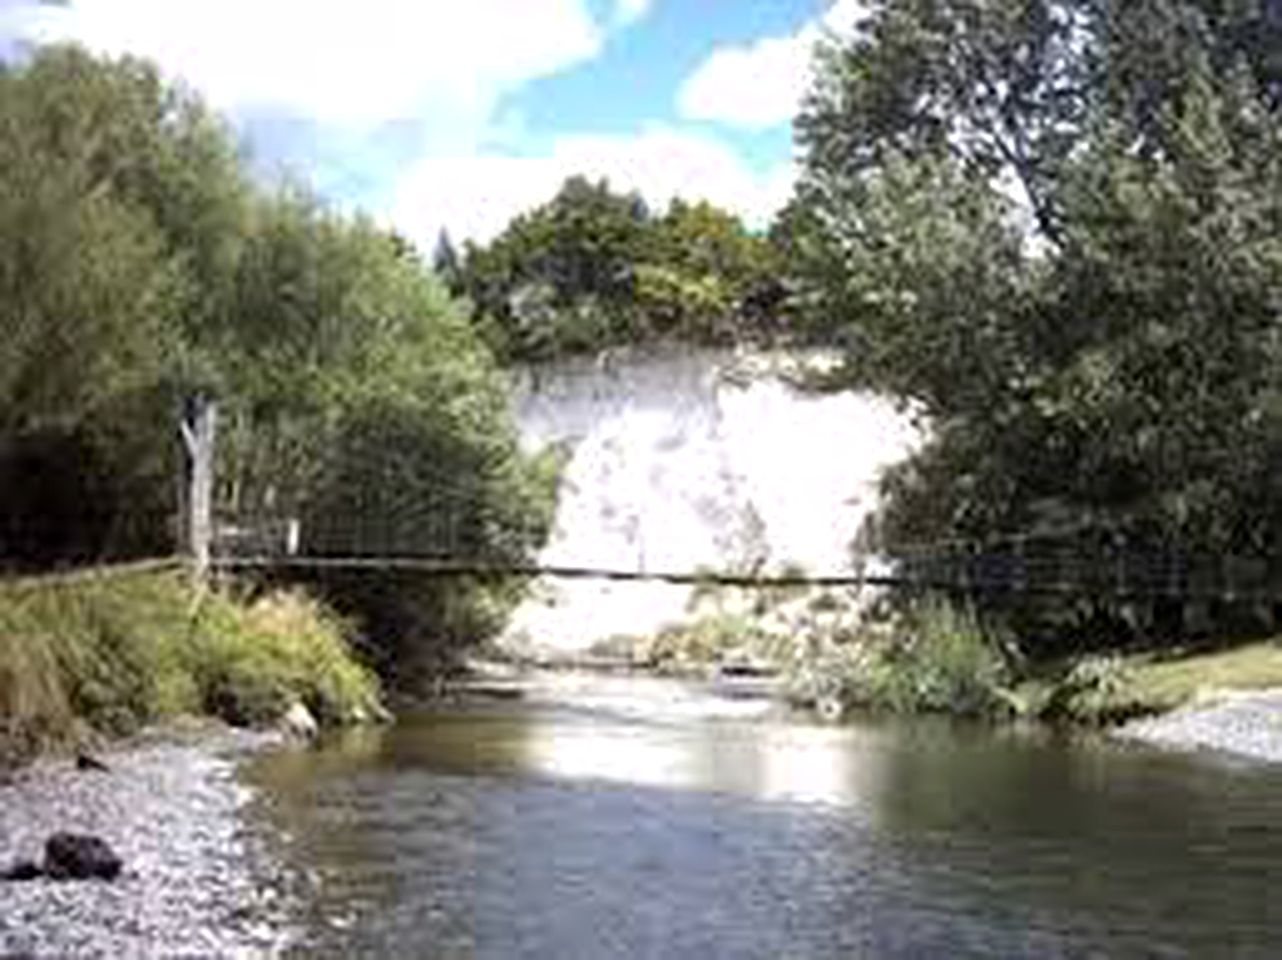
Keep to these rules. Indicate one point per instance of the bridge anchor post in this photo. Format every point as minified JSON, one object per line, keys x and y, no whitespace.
{"x":198,"y":429}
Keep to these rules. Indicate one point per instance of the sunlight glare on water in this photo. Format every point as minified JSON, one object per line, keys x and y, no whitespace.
{"x":675,"y":735}
{"x":560,"y":826}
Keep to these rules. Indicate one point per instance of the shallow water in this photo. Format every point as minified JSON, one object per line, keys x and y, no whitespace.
{"x":619,"y":818}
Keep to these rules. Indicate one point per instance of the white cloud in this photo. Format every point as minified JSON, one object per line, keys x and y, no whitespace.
{"x":761,"y":84}
{"x":350,"y":68}
{"x":337,"y":62}
{"x":754,"y":86}
{"x":475,"y":196}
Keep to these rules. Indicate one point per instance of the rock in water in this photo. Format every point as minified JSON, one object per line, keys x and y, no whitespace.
{"x":830,"y":708}
{"x":71,"y":856}
{"x":299,"y":722}
{"x":21,"y":870}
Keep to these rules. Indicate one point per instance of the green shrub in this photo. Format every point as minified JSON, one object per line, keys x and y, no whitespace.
{"x":252,"y":661}
{"x":948,"y":663}
{"x":116,"y":653}
{"x":936,"y":659}
{"x":712,"y":639}
{"x":112,"y":647}
{"x":1095,"y":690}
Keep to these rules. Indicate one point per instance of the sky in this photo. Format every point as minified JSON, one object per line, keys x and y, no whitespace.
{"x":458,"y":114}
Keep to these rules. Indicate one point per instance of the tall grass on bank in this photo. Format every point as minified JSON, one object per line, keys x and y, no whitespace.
{"x":934,"y":658}
{"x":112,"y":654}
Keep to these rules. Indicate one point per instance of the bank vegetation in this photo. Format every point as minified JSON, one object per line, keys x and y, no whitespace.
{"x":142,"y":264}
{"x":1052,"y":229}
{"x":103,"y":654}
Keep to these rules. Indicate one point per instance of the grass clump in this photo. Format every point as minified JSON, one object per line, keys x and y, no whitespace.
{"x":933,"y":658}
{"x":1101,"y":690}
{"x":1095,"y":690}
{"x":713,"y":640}
{"x":254,"y":660}
{"x":103,"y":653}
{"x":111,"y":654}
{"x":1170,"y":680}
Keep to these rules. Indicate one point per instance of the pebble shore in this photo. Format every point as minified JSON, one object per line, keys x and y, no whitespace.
{"x":1248,"y":724}
{"x":195,"y":881}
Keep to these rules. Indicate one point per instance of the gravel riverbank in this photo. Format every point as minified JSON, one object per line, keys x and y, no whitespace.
{"x":195,"y":881}
{"x":1248,"y":724}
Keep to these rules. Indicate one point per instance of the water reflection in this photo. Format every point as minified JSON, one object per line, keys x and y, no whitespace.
{"x":792,"y":764}
{"x":1162,"y":854}
{"x":646,"y":732}
{"x":628,"y":756}
{"x":587,"y":826}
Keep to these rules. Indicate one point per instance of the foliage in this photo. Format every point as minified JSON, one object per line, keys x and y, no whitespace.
{"x":365,"y":405}
{"x":999,"y":87}
{"x":1101,"y":690}
{"x":118,"y":652}
{"x":1059,"y":244}
{"x":253,"y":659}
{"x":139,"y":264}
{"x":593,"y":268}
{"x":936,"y":658}
{"x":726,"y":638}
{"x":1164,"y":681}
{"x":120,"y":216}
{"x":1095,"y":690}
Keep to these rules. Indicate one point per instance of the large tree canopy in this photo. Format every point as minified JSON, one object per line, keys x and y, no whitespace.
{"x":593,"y":268}
{"x":1054,"y":228}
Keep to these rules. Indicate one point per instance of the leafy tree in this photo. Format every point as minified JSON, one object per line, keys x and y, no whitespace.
{"x":365,"y":405}
{"x":138,"y":262}
{"x":1095,"y":349}
{"x":997,"y":86}
{"x":561,"y":276}
{"x":98,"y":289}
{"x":592,"y":269}
{"x":708,"y":277}
{"x":155,"y":148}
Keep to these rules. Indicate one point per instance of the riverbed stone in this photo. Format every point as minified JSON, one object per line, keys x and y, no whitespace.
{"x":830,"y":708}
{"x":299,"y":723}
{"x":21,"y":870}
{"x":199,"y":878}
{"x":87,"y":762}
{"x":1246,"y":723}
{"x":75,"y":856}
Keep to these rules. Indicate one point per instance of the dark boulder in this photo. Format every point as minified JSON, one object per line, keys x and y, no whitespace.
{"x":71,"y":856}
{"x":87,"y":762}
{"x":21,"y":870}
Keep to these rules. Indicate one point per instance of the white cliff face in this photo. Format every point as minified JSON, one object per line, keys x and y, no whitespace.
{"x":679,"y":461}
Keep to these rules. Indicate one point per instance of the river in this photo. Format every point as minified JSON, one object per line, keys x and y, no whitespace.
{"x":616,"y":817}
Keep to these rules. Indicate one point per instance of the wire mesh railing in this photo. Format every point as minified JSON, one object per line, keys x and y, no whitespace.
{"x":435,"y":540}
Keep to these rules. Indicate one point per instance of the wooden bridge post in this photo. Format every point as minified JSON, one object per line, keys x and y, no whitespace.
{"x":198,"y":430}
